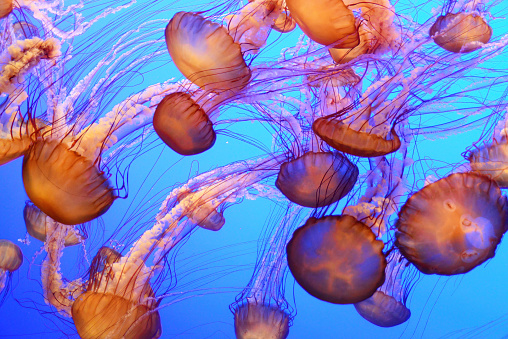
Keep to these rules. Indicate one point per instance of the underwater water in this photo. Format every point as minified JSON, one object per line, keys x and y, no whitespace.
{"x":110,"y":59}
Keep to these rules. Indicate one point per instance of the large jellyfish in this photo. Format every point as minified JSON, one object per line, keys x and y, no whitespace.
{"x":452,"y":225}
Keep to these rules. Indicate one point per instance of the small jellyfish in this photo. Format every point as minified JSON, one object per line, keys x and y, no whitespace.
{"x":492,"y":160}
{"x":183,"y":125}
{"x":452,"y":225}
{"x":11,"y":259}
{"x":317,"y":179}
{"x":24,"y":30}
{"x":284,"y":23}
{"x":201,"y":212}
{"x":6,"y":7}
{"x":259,"y":321}
{"x":337,"y":259}
{"x":36,"y":225}
{"x":326,"y":22}
{"x":387,"y":306}
{"x":461,"y":32}
{"x":206,"y":54}
{"x":65,"y":185}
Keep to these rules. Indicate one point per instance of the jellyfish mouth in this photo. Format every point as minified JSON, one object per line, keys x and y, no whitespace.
{"x":362,"y":144}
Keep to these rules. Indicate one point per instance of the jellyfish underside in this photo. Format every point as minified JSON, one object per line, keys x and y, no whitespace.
{"x":258,"y":321}
{"x":183,"y":125}
{"x":11,"y":149}
{"x":35,"y":222}
{"x":452,"y":225}
{"x":460,"y":32}
{"x":100,"y":315}
{"x":327,"y":22}
{"x":65,"y":185}
{"x":206,"y":54}
{"x":362,"y":144}
{"x":317,"y":179}
{"x":383,"y":310}
{"x":492,"y":161}
{"x":336,"y":259}
{"x":11,"y":256}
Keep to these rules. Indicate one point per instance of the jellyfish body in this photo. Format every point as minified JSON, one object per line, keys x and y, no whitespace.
{"x":284,"y":23}
{"x":317,"y":179}
{"x":362,"y":144}
{"x":452,"y":225}
{"x":13,"y":148}
{"x":383,"y":310}
{"x":206,"y":54}
{"x":460,"y":32}
{"x":6,"y":7}
{"x":65,"y":185}
{"x":11,"y":259}
{"x":336,"y":259}
{"x":259,"y":321}
{"x":101,"y":315}
{"x":183,"y":125}
{"x":327,"y":22}
{"x":492,"y":161}
{"x":36,"y":222}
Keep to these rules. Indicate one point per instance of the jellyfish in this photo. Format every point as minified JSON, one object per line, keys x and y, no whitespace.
{"x":460,"y":32}
{"x":183,"y":125}
{"x":336,"y":259}
{"x":326,"y":22}
{"x":387,"y":306}
{"x":317,"y":179}
{"x":452,"y":225}
{"x":11,"y":259}
{"x":36,"y":222}
{"x":284,"y":23}
{"x":6,"y":7}
{"x":260,"y":310}
{"x":206,"y":54}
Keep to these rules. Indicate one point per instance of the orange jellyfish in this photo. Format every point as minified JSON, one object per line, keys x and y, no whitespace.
{"x":206,"y":54}
{"x":254,"y":320}
{"x":6,"y":7}
{"x":201,"y":212}
{"x":327,"y":22}
{"x":11,"y":259}
{"x":387,"y":306}
{"x":120,"y":311}
{"x":284,"y":23}
{"x":452,"y":225}
{"x":317,"y":179}
{"x":492,"y":160}
{"x":337,"y":259}
{"x":36,"y":225}
{"x":65,"y":185}
{"x":183,"y":125}
{"x":461,"y":32}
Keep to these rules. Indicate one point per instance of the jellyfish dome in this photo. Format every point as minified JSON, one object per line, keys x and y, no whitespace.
{"x":492,"y":161}
{"x":183,"y":125}
{"x":36,"y":225}
{"x":258,"y":321}
{"x":452,"y":225}
{"x":317,"y":179}
{"x":383,"y":310}
{"x":336,"y":259}
{"x":11,"y":257}
{"x":327,"y":22}
{"x":6,"y":7}
{"x":460,"y":32}
{"x":360,"y":143}
{"x":284,"y":23}
{"x":206,"y":54}
{"x":65,"y":185}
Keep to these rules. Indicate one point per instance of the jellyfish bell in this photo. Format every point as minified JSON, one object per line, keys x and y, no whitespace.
{"x":383,"y":310}
{"x":336,"y":259}
{"x":206,"y":54}
{"x":360,"y":143}
{"x":11,"y":256}
{"x":36,"y":225}
{"x":452,"y":225}
{"x":65,"y":185}
{"x":24,"y":30}
{"x":6,"y":7}
{"x":327,"y":22}
{"x":258,"y":321}
{"x":460,"y":32}
{"x":284,"y":23}
{"x":317,"y":179}
{"x":492,"y":160}
{"x":183,"y":125}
